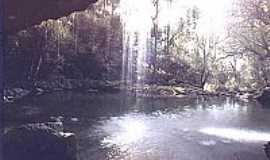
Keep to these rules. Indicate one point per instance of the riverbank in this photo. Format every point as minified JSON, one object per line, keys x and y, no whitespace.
{"x":21,"y":91}
{"x":24,"y":90}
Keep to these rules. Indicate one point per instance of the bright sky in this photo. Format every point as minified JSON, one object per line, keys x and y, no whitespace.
{"x":137,"y":13}
{"x":213,"y":13}
{"x":137,"y":17}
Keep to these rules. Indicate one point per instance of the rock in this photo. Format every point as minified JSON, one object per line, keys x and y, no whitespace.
{"x":264,"y":97}
{"x":13,"y":94}
{"x":38,"y":91}
{"x":88,"y":85}
{"x":68,"y":84}
{"x":42,"y":141}
{"x":57,"y":119}
{"x":244,"y":96}
{"x":74,"y":119}
{"x":43,"y":85}
{"x":172,"y":82}
{"x":7,"y":99}
{"x":23,"y":14}
{"x":92,"y":91}
{"x":267,"y":150}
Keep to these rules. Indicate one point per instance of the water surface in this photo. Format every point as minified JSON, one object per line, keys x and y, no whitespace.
{"x":120,"y":126}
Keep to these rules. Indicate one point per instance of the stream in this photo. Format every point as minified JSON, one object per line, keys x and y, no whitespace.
{"x":123,"y":126}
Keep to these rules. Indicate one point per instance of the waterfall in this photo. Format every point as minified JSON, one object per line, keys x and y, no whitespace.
{"x":136,"y":21}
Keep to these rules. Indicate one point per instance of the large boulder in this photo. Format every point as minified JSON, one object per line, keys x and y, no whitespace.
{"x":264,"y":97}
{"x":39,"y":141}
{"x":267,"y":150}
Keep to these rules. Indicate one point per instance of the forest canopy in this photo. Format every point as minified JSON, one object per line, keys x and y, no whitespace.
{"x":97,"y":44}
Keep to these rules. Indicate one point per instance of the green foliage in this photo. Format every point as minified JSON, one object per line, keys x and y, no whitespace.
{"x":88,"y":45}
{"x":83,"y":45}
{"x":250,"y":38}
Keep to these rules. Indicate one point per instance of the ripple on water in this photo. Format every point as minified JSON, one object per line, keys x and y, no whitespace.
{"x":153,"y":129}
{"x":208,"y":142}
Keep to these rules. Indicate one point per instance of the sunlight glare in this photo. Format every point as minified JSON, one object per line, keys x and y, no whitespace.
{"x":129,"y":131}
{"x":137,"y":15}
{"x":237,"y":134}
{"x":132,"y":131}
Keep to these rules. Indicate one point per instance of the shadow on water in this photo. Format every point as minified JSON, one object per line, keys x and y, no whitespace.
{"x":121,"y":126}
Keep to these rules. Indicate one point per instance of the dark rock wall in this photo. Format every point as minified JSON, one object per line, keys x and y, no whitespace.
{"x":20,"y":14}
{"x":264,"y":97}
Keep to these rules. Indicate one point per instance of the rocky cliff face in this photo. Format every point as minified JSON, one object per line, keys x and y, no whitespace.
{"x":20,"y":14}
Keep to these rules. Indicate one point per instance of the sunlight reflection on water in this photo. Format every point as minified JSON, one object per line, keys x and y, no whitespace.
{"x":128,"y":130}
{"x":237,"y":134}
{"x":160,"y":128}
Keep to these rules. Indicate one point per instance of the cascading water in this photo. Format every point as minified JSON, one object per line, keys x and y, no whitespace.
{"x":144,"y":22}
{"x":136,"y":21}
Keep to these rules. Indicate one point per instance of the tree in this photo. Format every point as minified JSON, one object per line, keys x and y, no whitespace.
{"x":251,"y":32}
{"x":54,"y":48}
{"x":155,"y":36}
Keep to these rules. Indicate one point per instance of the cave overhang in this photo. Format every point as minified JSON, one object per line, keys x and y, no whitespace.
{"x":21,"y":14}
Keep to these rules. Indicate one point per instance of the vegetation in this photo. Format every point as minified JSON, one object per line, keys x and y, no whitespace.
{"x":83,"y":45}
{"x":89,"y":45}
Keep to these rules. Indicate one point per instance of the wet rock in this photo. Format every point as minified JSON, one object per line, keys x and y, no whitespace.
{"x":13,"y":94}
{"x":92,"y":91}
{"x":42,"y":141}
{"x":264,"y":97}
{"x":68,"y":84}
{"x":74,"y":119}
{"x":267,"y":150}
{"x":37,"y":91}
{"x":57,"y":119}
{"x":244,"y":96}
{"x":60,"y":84}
